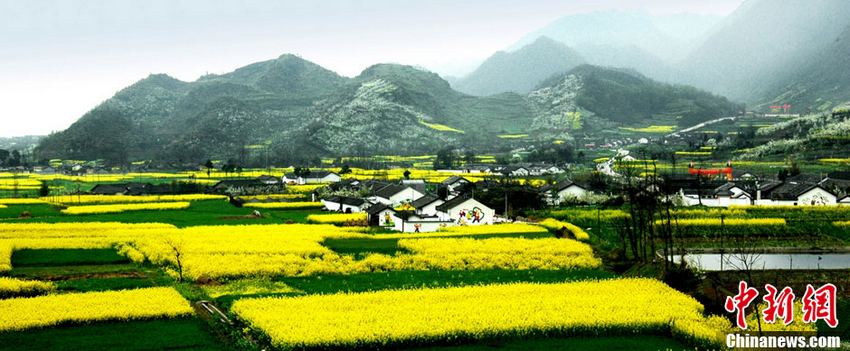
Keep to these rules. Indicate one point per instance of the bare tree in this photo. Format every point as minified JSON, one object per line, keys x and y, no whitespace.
{"x":177,"y":250}
{"x":744,"y":257}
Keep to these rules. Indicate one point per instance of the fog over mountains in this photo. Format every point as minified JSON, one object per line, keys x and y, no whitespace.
{"x":763,"y":53}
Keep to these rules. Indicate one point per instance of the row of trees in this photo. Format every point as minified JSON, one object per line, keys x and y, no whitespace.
{"x":12,"y":158}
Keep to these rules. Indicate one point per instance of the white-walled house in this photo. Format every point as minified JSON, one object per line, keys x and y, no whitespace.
{"x":410,"y":222}
{"x":844,"y":200}
{"x":427,"y":205}
{"x":345,"y":204}
{"x":394,"y":195}
{"x":314,"y":177}
{"x":769,"y":193}
{"x":515,"y":171}
{"x":817,"y":196}
{"x":555,"y":194}
{"x":269,"y":180}
{"x":381,"y":215}
{"x":465,"y":211}
{"x":453,"y":184}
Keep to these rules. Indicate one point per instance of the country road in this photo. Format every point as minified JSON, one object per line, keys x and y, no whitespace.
{"x":703,"y":124}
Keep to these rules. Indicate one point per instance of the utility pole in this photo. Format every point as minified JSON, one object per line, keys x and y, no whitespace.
{"x":506,"y":203}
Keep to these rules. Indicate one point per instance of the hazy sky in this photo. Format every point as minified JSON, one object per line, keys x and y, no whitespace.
{"x":58,"y":59}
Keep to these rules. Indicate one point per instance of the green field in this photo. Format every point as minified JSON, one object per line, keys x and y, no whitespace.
{"x":177,"y":334}
{"x":91,"y":270}
{"x":209,"y":212}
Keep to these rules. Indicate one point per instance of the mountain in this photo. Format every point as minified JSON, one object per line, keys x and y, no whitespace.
{"x":160,"y":115}
{"x":391,"y":109}
{"x":809,"y":137}
{"x":764,"y":42}
{"x":646,"y":43}
{"x":292,"y":111}
{"x":521,"y":70}
{"x":820,"y":84}
{"x":630,"y":57}
{"x":288,"y":77}
{"x":19,"y":142}
{"x":592,"y":98}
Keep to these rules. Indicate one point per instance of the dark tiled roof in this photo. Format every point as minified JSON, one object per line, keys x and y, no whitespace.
{"x":375,"y":184}
{"x":454,"y":179}
{"x":377,"y":208}
{"x":351,"y":201}
{"x":390,"y":190}
{"x":768,"y":187}
{"x":804,"y":178}
{"x":424,"y":201}
{"x":725,"y":189}
{"x":791,"y":190}
{"x":319,"y":174}
{"x":311,"y":175}
{"x":452,"y":203}
{"x":560,"y":186}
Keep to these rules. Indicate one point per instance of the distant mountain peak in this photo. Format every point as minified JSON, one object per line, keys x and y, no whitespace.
{"x":521,"y":70}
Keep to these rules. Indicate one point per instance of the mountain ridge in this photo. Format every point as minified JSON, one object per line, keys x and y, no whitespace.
{"x":388,"y":108}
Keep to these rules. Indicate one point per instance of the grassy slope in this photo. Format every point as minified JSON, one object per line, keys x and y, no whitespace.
{"x":210,"y":212}
{"x":77,"y":270}
{"x":390,"y":245}
{"x":65,"y":257}
{"x":184,"y":334}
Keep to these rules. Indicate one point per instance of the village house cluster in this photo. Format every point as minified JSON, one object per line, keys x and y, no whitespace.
{"x":746,"y":188}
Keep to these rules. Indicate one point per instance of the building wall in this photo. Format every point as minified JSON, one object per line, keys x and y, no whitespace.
{"x":331,"y":206}
{"x":330,"y":178}
{"x":424,"y":227}
{"x":408,"y":195}
{"x":354,"y":209}
{"x":817,"y":196}
{"x":452,"y":187}
{"x":571,"y":191}
{"x":431,"y":209}
{"x":464,"y":213}
{"x":386,"y":217}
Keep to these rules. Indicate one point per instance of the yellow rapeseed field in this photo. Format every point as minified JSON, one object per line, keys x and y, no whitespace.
{"x":554,"y":224}
{"x":501,"y":253}
{"x":583,"y":216}
{"x":98,"y":209}
{"x":234,"y":251}
{"x":509,"y":228}
{"x":392,"y":317}
{"x":303,"y":189}
{"x":16,"y":236}
{"x":273,"y":197}
{"x":124,"y":199}
{"x":337,"y":218}
{"x":20,"y":182}
{"x":284,"y":205}
{"x":710,"y":222}
{"x":18,"y":287}
{"x":43,"y":311}
{"x":292,"y":249}
{"x":21,"y":201}
{"x":5,"y":256}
